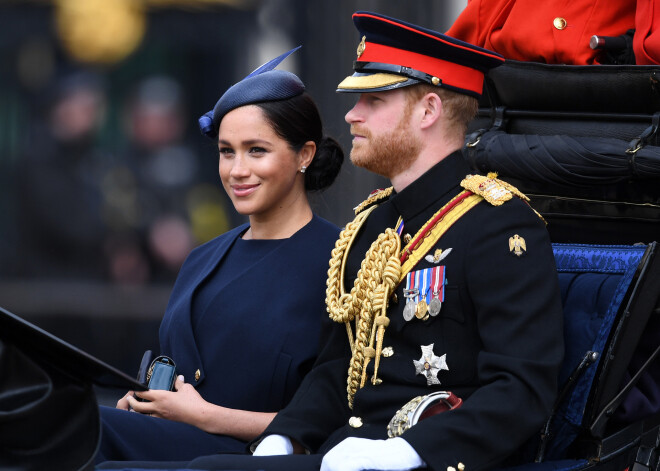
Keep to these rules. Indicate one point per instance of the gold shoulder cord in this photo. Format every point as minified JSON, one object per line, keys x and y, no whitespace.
{"x":380,"y":273}
{"x":377,"y":277}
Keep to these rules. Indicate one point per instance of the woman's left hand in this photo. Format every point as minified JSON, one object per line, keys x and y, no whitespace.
{"x":184,"y":404}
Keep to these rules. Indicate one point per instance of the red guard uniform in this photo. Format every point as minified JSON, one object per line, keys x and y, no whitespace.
{"x":552,"y":32}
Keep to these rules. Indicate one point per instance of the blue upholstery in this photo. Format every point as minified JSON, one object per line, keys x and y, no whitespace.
{"x":593,"y":280}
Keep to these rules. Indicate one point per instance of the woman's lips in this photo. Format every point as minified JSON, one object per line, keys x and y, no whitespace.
{"x":244,"y":190}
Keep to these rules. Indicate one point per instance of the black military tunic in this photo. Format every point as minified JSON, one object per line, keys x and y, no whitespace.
{"x":500,"y":329}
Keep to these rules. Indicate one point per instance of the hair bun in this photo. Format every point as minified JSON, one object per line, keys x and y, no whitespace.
{"x":326,"y":165}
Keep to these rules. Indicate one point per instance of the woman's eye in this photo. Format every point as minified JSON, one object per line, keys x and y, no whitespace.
{"x":225,"y":151}
{"x":257,"y":150}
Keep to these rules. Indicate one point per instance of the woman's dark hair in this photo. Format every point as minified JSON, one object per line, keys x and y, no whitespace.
{"x":297,"y":120}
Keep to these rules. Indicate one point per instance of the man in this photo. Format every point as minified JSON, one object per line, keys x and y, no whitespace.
{"x":465,"y":301}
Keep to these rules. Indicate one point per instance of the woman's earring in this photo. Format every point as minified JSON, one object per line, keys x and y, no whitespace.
{"x":302,"y":169}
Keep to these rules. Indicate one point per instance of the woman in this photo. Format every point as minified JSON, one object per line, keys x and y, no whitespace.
{"x":244,"y":316}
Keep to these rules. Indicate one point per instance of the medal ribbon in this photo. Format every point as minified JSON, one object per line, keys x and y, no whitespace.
{"x":425,"y":283}
{"x":438,"y":283}
{"x":429,"y":282}
{"x":411,"y":285}
{"x":399,"y":226}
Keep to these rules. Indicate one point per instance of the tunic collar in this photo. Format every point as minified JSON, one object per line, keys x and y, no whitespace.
{"x":438,"y":183}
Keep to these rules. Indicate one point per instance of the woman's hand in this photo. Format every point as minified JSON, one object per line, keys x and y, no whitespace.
{"x":123,"y":402}
{"x":184,"y":404}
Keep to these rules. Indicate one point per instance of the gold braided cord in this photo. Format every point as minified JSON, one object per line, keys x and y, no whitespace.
{"x":341,"y":306}
{"x":377,"y":277}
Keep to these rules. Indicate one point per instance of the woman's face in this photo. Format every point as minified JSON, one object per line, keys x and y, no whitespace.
{"x":258,"y":169}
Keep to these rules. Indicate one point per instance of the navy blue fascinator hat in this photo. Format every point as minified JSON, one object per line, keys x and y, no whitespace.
{"x":262,"y":85}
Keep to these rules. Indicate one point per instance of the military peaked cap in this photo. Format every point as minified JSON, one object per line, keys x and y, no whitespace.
{"x":394,"y":54}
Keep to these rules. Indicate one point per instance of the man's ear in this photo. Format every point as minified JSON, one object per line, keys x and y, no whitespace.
{"x":432,"y":105}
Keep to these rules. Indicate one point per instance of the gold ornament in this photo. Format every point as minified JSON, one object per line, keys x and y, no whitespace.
{"x":495,"y":191}
{"x":361,"y":47}
{"x":517,"y":245}
{"x":374,"y":197}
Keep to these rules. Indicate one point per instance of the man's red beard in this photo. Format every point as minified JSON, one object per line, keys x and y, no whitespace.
{"x":387,"y":155}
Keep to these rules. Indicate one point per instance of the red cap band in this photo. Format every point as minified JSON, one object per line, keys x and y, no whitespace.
{"x":451,"y":74}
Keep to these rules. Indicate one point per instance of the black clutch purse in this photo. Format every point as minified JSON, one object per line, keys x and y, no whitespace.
{"x":157,"y":373}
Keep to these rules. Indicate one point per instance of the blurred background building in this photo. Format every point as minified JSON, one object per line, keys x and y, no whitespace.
{"x":106,"y":183}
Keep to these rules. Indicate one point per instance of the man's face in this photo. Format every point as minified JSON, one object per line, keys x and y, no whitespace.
{"x":383,"y":141}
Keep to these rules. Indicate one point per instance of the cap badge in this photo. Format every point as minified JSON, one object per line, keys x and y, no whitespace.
{"x":517,"y":245}
{"x":362,"y":46}
{"x":430,"y":365}
{"x":438,"y":255}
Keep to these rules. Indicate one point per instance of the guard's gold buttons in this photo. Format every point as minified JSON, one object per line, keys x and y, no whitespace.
{"x":407,"y":238}
{"x":388,"y":352}
{"x":355,"y":422}
{"x":197,"y":375}
{"x":559,"y":23}
{"x":435,"y":81}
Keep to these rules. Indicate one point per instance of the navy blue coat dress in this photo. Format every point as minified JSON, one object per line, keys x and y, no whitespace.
{"x":242,"y":325}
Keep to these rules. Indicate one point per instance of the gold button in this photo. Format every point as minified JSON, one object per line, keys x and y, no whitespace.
{"x":197,"y":375}
{"x":435,"y":81}
{"x":407,"y":238}
{"x":461,"y":467}
{"x":388,"y":352}
{"x":559,"y":23}
{"x":355,"y":422}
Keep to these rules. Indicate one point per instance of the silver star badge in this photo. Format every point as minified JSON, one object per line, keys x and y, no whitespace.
{"x":430,"y":365}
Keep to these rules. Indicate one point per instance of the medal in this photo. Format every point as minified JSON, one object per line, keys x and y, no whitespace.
{"x":424,"y":293}
{"x":435,"y":305}
{"x":430,"y":365}
{"x":410,"y":307}
{"x":409,"y":311}
{"x":423,"y":277}
{"x":438,"y":284}
{"x":421,"y":309}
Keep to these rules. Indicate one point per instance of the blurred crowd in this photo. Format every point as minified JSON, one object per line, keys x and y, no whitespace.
{"x":111,"y":190}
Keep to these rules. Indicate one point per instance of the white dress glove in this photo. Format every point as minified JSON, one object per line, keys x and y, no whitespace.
{"x":274,"y":445}
{"x":354,"y":454}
